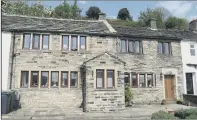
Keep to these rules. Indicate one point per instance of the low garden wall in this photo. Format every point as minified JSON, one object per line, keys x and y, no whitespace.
{"x":190,"y":99}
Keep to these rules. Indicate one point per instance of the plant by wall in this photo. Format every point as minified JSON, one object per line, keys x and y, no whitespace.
{"x":128,"y":93}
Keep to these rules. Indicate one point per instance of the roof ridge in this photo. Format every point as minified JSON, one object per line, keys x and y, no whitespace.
{"x":49,"y":18}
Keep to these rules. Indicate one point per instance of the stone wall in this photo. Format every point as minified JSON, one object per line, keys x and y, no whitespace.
{"x":56,"y":60}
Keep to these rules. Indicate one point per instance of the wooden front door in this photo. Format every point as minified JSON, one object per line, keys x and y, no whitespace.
{"x":169,"y":87}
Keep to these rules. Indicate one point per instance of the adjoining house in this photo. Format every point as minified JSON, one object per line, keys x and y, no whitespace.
{"x":189,"y":59}
{"x":59,"y":62}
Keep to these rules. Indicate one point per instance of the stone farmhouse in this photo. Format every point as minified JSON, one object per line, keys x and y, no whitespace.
{"x":66,"y":63}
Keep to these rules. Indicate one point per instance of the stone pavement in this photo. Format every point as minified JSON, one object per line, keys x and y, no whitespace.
{"x":57,"y":113}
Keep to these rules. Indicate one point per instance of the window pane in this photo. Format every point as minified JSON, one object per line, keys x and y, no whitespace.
{"x":191,"y":46}
{"x":166,"y":48}
{"x":192,"y":52}
{"x":27,"y":40}
{"x":127,"y":78}
{"x":150,"y":80}
{"x":159,"y":47}
{"x":131,"y":46}
{"x":137,"y":46}
{"x":44,"y":79}
{"x":64,"y":81}
{"x":34,"y":79}
{"x":24,"y":78}
{"x":99,"y":78}
{"x":54,"y":79}
{"x":123,"y":45}
{"x":142,"y":80}
{"x":36,"y":39}
{"x":134,"y":80}
{"x":74,"y":43}
{"x":65,"y":42}
{"x":110,"y":78}
{"x":82,"y":42}
{"x":73,"y":78}
{"x":45,"y":41}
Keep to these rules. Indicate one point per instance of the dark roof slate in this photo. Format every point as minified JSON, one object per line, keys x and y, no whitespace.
{"x":25,"y":23}
{"x":145,"y":32}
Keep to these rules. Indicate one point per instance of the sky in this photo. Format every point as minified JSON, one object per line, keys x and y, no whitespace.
{"x":183,"y":9}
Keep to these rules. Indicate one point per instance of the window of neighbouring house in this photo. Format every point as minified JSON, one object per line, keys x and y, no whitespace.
{"x":127,"y":78}
{"x":65,"y":42}
{"x":44,"y":79}
{"x":164,"y":47}
{"x":74,"y":43}
{"x":64,"y":79}
{"x":24,"y":78}
{"x":123,"y":46}
{"x":26,"y":40}
{"x":150,"y":80}
{"x":45,"y":41}
{"x":110,"y":78}
{"x":82,"y":42}
{"x":73,"y":79}
{"x":54,"y":79}
{"x":99,"y":78}
{"x":134,"y":80}
{"x":192,"y":50}
{"x":34,"y":78}
{"x":36,"y":41}
{"x":142,"y":80}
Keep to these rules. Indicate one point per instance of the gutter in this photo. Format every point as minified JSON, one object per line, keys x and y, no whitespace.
{"x":12,"y":57}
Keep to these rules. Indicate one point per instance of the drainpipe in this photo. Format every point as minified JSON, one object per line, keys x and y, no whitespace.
{"x":12,"y":57}
{"x":84,"y":88}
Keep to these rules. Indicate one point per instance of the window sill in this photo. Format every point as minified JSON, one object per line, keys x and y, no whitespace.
{"x":160,"y":54}
{"x":131,"y":53}
{"x":112,"y":89}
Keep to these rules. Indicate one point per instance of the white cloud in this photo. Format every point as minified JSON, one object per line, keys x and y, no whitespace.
{"x":82,"y":2}
{"x":178,"y":8}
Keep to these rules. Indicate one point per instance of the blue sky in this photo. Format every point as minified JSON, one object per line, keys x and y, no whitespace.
{"x":184,"y":9}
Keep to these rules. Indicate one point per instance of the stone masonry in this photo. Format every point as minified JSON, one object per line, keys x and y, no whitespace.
{"x":97,"y":100}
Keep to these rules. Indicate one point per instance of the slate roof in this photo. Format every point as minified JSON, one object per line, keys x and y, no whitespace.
{"x":29,"y":23}
{"x":145,"y":32}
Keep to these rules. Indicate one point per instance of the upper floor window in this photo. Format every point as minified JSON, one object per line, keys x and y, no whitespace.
{"x":36,"y":41}
{"x":74,"y":43}
{"x":45,"y":41}
{"x":164,"y":47}
{"x":65,"y":42}
{"x":192,"y":50}
{"x":26,"y":40}
{"x":134,"y":46}
{"x":82,"y":42}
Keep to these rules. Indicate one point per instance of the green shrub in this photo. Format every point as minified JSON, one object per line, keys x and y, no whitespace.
{"x":193,"y":116}
{"x":179,"y":101}
{"x":182,"y":114}
{"x":162,"y":115}
{"x":128,"y":93}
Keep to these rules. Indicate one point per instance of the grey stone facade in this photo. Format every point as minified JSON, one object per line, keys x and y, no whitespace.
{"x":96,"y":100}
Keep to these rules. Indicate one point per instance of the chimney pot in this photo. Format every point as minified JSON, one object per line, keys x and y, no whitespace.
{"x":102,"y":16}
{"x":152,"y":23}
{"x":193,"y":25}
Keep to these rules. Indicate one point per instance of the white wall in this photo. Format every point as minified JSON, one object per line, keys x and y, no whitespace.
{"x":188,"y":59}
{"x":6,"y":41}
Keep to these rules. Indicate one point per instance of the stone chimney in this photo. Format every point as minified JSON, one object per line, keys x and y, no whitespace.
{"x":102,"y":16}
{"x":152,"y":24}
{"x":193,"y":25}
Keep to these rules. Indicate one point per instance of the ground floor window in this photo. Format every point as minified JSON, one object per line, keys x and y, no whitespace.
{"x":34,"y":78}
{"x":24,"y":78}
{"x":45,"y":78}
{"x":105,"y":78}
{"x":142,"y":80}
{"x":73,"y":79}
